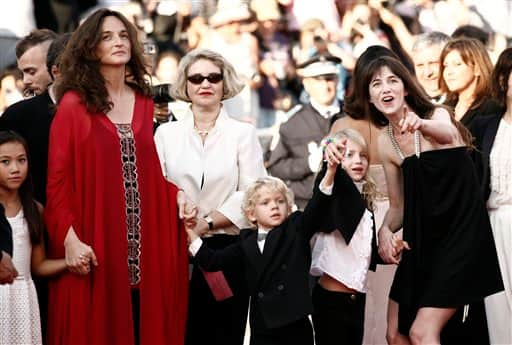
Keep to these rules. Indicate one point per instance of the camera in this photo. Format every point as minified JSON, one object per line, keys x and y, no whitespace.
{"x":161,"y":93}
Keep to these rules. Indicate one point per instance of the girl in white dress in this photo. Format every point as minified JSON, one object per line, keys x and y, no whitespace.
{"x":19,"y":309}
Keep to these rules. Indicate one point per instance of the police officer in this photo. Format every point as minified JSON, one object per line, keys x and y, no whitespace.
{"x":297,"y":155}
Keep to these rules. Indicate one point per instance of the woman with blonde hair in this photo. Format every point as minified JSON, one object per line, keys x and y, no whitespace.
{"x":213,"y":158}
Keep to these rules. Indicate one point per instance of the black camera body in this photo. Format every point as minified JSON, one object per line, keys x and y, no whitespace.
{"x":161,"y":93}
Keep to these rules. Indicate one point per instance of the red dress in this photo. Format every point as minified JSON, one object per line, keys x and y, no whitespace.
{"x":86,"y":190}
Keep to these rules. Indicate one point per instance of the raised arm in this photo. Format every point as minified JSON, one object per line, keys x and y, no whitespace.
{"x":439,"y":128}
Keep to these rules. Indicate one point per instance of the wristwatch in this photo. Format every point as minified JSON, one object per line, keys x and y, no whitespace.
{"x":209,"y":221}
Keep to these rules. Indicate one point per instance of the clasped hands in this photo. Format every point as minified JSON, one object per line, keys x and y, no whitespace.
{"x":391,"y":246}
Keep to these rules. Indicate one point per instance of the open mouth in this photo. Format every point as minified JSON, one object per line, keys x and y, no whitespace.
{"x":387,"y":99}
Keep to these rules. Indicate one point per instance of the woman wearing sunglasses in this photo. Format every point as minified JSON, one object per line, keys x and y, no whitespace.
{"x":213,"y":158}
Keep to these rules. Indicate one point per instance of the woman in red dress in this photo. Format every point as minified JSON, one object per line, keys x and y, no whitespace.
{"x":110,"y":211}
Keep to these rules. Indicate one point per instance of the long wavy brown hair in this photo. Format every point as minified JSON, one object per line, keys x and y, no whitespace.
{"x":416,"y":97}
{"x":80,"y":67}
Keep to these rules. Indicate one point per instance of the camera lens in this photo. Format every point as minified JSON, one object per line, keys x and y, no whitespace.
{"x":161,"y":93}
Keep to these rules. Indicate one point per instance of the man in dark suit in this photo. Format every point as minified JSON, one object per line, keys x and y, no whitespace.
{"x":31,"y":118}
{"x":297,"y":156}
{"x":7,"y":270}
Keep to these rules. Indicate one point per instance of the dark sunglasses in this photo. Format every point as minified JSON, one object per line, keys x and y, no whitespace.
{"x":213,"y":78}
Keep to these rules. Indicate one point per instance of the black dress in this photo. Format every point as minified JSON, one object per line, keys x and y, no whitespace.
{"x":452,"y":261}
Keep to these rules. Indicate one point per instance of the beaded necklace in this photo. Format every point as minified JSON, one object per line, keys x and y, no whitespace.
{"x":397,"y":147}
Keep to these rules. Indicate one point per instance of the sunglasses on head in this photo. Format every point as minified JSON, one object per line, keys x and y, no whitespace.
{"x":213,"y":78}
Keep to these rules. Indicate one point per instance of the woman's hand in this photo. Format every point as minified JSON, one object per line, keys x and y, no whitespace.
{"x":388,"y":247}
{"x":187,"y":209}
{"x":410,"y":122}
{"x":79,"y":255}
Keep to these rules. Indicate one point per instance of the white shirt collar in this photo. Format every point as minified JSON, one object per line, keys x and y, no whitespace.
{"x":326,"y":111}
{"x":360,"y":185}
{"x":188,"y":119}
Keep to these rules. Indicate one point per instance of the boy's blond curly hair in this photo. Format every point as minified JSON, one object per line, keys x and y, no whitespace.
{"x":272,"y":183}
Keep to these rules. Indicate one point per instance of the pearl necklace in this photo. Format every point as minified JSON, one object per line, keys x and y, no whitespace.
{"x":397,"y":147}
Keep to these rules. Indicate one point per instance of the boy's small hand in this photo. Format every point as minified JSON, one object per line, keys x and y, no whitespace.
{"x":192,"y":235}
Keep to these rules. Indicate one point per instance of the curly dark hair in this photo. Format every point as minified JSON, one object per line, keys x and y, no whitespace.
{"x":80,"y":67}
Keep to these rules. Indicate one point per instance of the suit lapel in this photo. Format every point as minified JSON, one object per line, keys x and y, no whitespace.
{"x":250,"y":246}
{"x":271,"y":244}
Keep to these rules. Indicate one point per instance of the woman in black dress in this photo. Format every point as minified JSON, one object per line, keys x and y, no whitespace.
{"x":433,"y":192}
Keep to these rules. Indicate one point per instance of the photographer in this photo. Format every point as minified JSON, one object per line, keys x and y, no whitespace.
{"x":161,"y":98}
{"x":165,"y":71}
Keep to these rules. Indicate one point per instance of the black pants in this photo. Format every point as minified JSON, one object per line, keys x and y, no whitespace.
{"x":299,"y":332}
{"x":211,"y":322}
{"x":338,"y":317}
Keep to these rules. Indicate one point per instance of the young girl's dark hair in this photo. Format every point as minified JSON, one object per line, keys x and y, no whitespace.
{"x":26,"y":193}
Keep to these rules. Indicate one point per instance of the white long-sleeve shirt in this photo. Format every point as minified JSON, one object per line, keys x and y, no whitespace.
{"x":230,"y":159}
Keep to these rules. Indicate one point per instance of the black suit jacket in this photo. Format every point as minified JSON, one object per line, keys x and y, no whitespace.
{"x":5,"y":234}
{"x":278,"y":278}
{"x":31,"y":118}
{"x":484,"y":130}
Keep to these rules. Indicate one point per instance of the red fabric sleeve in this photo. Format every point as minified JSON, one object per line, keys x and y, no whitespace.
{"x":59,"y":212}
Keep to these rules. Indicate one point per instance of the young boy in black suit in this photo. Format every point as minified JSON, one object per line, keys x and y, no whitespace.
{"x":276,"y":258}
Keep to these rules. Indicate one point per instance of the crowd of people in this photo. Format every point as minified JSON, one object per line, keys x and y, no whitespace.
{"x":327,"y":172}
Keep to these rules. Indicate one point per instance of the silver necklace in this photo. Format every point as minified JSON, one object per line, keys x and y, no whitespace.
{"x":397,"y":147}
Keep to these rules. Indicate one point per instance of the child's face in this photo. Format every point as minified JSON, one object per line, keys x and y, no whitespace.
{"x":13,"y":165}
{"x":271,"y":208}
{"x":355,"y":161}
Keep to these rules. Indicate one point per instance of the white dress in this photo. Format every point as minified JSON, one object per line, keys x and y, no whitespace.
{"x":499,"y":306}
{"x":19,"y":309}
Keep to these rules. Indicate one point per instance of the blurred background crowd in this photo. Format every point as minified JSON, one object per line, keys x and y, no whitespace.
{"x":264,"y":39}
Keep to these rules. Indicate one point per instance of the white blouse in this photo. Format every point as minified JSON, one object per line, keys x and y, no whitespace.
{"x":230,"y":159}
{"x":347,"y":264}
{"x":501,"y":167}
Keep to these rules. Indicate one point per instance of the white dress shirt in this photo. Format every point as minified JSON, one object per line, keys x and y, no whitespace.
{"x":347,"y":263}
{"x":216,"y":174}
